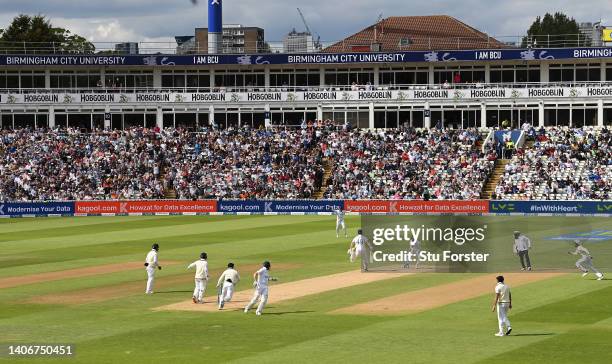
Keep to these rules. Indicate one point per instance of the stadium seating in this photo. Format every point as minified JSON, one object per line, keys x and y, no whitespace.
{"x":139,"y":163}
{"x":407,"y":164}
{"x":68,"y":165}
{"x":564,"y":164}
{"x":142,"y":163}
{"x":243,"y":164}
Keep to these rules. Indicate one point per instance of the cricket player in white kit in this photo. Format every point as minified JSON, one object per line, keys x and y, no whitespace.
{"x":261,"y":277}
{"x":415,"y":250}
{"x":201,"y":278}
{"x":150,"y":264}
{"x":503,"y":304}
{"x":360,"y":247}
{"x":340,"y":223}
{"x":226,"y":283}
{"x":585,"y":263}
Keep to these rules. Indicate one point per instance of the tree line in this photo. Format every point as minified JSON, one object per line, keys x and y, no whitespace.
{"x":36,"y":34}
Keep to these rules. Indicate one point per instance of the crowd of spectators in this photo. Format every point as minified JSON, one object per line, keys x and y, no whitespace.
{"x":407,"y":164}
{"x":244,"y":163}
{"x":141,"y":163}
{"x":283,"y":163}
{"x":563,"y":164}
{"x":69,"y":165}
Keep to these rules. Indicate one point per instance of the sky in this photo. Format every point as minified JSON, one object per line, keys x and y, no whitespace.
{"x":160,"y":20}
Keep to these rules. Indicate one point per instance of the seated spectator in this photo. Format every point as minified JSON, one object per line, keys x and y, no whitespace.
{"x":407,"y":164}
{"x":564,"y":164}
{"x":283,"y":163}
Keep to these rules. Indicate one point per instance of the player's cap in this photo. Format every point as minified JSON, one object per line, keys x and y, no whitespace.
{"x":203,"y":255}
{"x":230,"y":265}
{"x":155,"y":247}
{"x":577,"y":242}
{"x":267,"y":265}
{"x":500,"y":279}
{"x":360,"y":232}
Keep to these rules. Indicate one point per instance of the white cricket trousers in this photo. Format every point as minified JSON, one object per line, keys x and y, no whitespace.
{"x":150,"y":279}
{"x":356,"y":252}
{"x":227,"y":293}
{"x":416,"y":253}
{"x":365,"y":258}
{"x":585,"y":264}
{"x":200,"y":288}
{"x":502,"y":316}
{"x":260,"y":294}
{"x":352,"y":254}
{"x":339,"y":227}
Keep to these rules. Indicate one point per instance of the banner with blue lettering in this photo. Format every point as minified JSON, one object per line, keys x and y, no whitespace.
{"x":260,"y":207}
{"x":602,"y":208}
{"x":36,"y":208}
{"x":309,"y":58}
{"x":552,"y":207}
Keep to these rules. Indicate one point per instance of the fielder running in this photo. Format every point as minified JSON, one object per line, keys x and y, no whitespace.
{"x":340,"y":223}
{"x":201,"y":278}
{"x":585,"y":263}
{"x":226,"y":283}
{"x":150,"y":264}
{"x":261,"y":277}
{"x":503,"y":304}
{"x":360,"y":247}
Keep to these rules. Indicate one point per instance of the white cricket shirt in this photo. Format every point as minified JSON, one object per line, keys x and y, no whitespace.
{"x":201,"y":268}
{"x":152,"y":259}
{"x":262,"y":277}
{"x":504,"y":293}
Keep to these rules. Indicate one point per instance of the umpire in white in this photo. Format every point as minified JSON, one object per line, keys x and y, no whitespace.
{"x":521,"y":247}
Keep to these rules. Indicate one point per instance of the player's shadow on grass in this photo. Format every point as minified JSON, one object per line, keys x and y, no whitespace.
{"x":542,"y":334}
{"x":287,"y":313}
{"x":167,"y":292}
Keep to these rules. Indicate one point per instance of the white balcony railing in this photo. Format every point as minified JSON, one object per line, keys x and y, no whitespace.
{"x":276,"y":46}
{"x":327,"y":88}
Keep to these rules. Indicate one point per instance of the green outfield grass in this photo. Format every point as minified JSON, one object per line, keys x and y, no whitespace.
{"x":550,"y":236}
{"x":562,"y":320}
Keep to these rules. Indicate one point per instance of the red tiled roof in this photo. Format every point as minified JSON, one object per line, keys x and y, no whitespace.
{"x":436,"y":32}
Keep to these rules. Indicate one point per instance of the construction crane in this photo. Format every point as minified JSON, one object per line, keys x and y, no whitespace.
{"x":380,"y":19}
{"x":317,"y":42}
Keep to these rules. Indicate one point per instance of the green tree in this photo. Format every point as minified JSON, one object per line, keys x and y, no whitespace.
{"x":74,"y":43}
{"x":35,"y":34}
{"x":554,"y":31}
